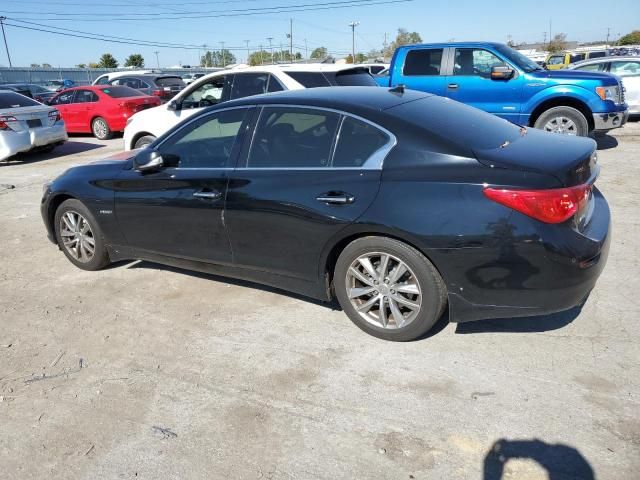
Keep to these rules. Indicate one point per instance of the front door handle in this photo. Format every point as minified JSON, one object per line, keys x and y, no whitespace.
{"x":208,"y":194}
{"x":452,"y":86}
{"x":336,"y":198}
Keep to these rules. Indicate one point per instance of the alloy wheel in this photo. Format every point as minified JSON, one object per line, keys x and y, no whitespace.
{"x":100,"y":128}
{"x":562,"y":125}
{"x":383,"y":290}
{"x":77,"y":236}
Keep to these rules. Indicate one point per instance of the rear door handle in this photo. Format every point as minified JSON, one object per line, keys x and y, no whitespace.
{"x":208,"y":194}
{"x":336,"y":198}
{"x":452,"y":86}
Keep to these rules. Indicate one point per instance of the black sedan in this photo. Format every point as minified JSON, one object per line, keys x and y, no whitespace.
{"x":395,"y":202}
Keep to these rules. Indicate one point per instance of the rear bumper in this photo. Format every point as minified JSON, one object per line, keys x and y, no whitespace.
{"x":12,"y":143}
{"x":611,"y":120}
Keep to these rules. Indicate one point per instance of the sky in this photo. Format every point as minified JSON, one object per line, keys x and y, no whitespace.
{"x":192,"y":23}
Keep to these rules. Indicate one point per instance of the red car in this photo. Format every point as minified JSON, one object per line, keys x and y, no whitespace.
{"x":100,"y":109}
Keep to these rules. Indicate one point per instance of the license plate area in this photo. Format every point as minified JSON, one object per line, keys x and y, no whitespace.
{"x":34,"y":123}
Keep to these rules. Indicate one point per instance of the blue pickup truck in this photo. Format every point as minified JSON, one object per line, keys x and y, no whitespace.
{"x":495,"y":78}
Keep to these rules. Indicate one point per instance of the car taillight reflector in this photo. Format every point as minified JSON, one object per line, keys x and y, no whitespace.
{"x":5,"y":120}
{"x":54,"y":116}
{"x":157,"y":93}
{"x":555,"y":205}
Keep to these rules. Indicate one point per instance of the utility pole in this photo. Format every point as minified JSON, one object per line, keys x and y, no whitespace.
{"x":224,"y":63}
{"x":157,"y":59}
{"x":261,"y":58}
{"x":550,"y":36}
{"x":247,"y":42}
{"x":280,"y":56}
{"x":271,"y":48}
{"x":291,"y":39}
{"x":608,"y":30}
{"x":2,"y":19}
{"x":306,"y":50}
{"x":544,"y":41}
{"x":384,"y":45}
{"x":353,"y":26}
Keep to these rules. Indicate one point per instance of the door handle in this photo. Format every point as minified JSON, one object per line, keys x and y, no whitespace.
{"x":336,"y":198}
{"x":208,"y":195}
{"x":452,"y":86}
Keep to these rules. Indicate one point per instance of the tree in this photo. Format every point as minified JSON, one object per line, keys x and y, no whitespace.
{"x":35,"y":65}
{"x":107,"y":61}
{"x":404,"y":37}
{"x":134,"y":60}
{"x":46,"y":65}
{"x":217,"y":58}
{"x":319,"y":53}
{"x":81,"y":65}
{"x":558,"y":43}
{"x":94,"y":65}
{"x":632,"y":38}
{"x":259,"y":57}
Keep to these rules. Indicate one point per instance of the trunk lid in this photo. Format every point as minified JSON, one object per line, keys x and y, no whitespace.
{"x":28,"y":118}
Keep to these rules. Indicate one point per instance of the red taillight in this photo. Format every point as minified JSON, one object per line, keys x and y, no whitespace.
{"x":54,"y":116}
{"x":5,"y":120}
{"x":157,"y":93}
{"x":555,"y":205}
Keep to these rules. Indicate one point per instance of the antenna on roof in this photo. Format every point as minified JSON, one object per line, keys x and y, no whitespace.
{"x":399,"y":89}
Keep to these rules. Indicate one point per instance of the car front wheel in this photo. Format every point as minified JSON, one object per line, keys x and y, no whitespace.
{"x":563,"y":120}
{"x":388,"y":288}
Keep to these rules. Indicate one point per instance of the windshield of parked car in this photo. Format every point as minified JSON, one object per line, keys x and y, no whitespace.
{"x":122,"y":92}
{"x":518,"y":59}
{"x":15,"y":100}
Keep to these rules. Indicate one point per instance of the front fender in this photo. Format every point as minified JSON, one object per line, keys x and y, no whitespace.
{"x":574,"y":92}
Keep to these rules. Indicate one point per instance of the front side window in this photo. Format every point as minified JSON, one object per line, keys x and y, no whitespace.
{"x":625,"y":69}
{"x":594,"y":67}
{"x":85,"y":96}
{"x":556,"y":60}
{"x":475,"y":62}
{"x":209,"y":93}
{"x":423,"y":62}
{"x":357,"y":142}
{"x":207,"y":142}
{"x":63,"y":98}
{"x":576,"y":57}
{"x":293,"y":138}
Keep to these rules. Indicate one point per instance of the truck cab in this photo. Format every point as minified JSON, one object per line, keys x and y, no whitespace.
{"x":497,"y":79}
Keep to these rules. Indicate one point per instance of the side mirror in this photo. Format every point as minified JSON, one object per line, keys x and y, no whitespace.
{"x":174,"y":105}
{"x":148,"y":160}
{"x":501,"y":73}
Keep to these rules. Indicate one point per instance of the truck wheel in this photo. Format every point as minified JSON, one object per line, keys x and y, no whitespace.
{"x":563,"y":120}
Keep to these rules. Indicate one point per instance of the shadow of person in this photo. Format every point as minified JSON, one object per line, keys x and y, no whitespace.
{"x":561,"y":462}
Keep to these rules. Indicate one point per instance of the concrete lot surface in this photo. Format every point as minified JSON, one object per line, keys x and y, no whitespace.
{"x":142,"y":371}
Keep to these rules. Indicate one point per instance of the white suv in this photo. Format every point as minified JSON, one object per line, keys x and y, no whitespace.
{"x":144,"y":127}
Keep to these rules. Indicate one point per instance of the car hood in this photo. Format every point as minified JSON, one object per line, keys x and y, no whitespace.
{"x":574,"y":75}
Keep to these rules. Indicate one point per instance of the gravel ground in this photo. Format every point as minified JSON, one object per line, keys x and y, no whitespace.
{"x":143,"y":371}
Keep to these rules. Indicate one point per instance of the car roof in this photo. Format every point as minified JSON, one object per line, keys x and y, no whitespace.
{"x":453,"y":44}
{"x":295,"y":67}
{"x":349,"y":99}
{"x":610,"y":58}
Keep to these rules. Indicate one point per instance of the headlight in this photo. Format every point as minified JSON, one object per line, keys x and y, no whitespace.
{"x":609,"y":93}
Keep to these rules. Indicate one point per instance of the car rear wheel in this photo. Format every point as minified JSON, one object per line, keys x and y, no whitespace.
{"x":144,"y":141}
{"x":563,"y":120}
{"x":389,"y":289}
{"x":100,"y":129}
{"x":79,"y":236}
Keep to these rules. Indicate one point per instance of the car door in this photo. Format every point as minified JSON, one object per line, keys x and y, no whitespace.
{"x":85,"y":102}
{"x":64,"y":103}
{"x":178,"y":210}
{"x":294,"y":188}
{"x":469,"y":81}
{"x":422,"y":70}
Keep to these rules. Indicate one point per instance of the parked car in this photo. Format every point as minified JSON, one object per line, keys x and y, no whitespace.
{"x":58,"y":85}
{"x":394,"y":201}
{"x":165,"y":87}
{"x":31,"y":90}
{"x":107,"y":77}
{"x":188,"y":78}
{"x":374,"y":68}
{"x":27,"y":125}
{"x":502,"y":81}
{"x":557,"y":61}
{"x":101,"y":109}
{"x":234,"y":83}
{"x":627,"y":68}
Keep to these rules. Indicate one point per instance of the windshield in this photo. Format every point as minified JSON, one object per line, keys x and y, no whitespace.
{"x":519,"y":59}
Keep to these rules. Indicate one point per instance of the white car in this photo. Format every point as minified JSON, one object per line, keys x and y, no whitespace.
{"x":107,"y":77}
{"x":188,"y":78}
{"x":28,"y":125}
{"x":242,"y":81}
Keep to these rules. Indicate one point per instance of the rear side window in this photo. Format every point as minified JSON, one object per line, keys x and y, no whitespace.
{"x":247,"y":84}
{"x":274,"y":85}
{"x":102,"y":80}
{"x":625,"y":68}
{"x":293,"y":138}
{"x":169,"y":82}
{"x":130,"y":82}
{"x":15,"y":100}
{"x":576,"y":57}
{"x":310,"y":79}
{"x":122,"y":92}
{"x":358,"y":77}
{"x":423,"y":62}
{"x":357,"y":141}
{"x":64,"y":98}
{"x":597,"y":54}
{"x":85,"y":96}
{"x":594,"y":67}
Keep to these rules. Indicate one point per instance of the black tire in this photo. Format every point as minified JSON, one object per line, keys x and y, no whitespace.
{"x":101,"y":129}
{"x":144,"y":141}
{"x":578,"y":119}
{"x":47,"y":149}
{"x":433,"y":290}
{"x":100,"y":257}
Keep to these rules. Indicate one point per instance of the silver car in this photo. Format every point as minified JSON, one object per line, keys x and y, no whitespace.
{"x":28,"y":125}
{"x":627,"y":68}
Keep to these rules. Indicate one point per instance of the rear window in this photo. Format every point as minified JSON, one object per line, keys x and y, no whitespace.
{"x":15,"y":100}
{"x":358,"y":77}
{"x":169,"y":81}
{"x":122,"y":92}
{"x":423,"y":62}
{"x":310,"y":79}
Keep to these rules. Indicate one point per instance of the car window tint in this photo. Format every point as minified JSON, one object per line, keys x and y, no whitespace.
{"x":475,"y":62}
{"x":293,"y":138}
{"x":423,"y":61}
{"x":274,"y":85}
{"x":206,"y":94}
{"x":85,"y":96}
{"x":376,"y":69}
{"x":556,"y":60}
{"x":63,"y":98}
{"x":594,"y":67}
{"x":122,"y":92}
{"x":15,"y":100}
{"x":207,"y":142}
{"x":247,"y":84}
{"x":102,"y":80}
{"x":169,"y":82}
{"x":625,"y":68}
{"x":357,"y":141}
{"x":310,"y":79}
{"x":357,"y":77}
{"x":576,"y":57}
{"x":597,"y":54}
